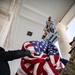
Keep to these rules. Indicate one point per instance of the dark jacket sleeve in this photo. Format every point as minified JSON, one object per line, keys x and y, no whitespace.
{"x":11,"y":55}
{"x":64,"y":61}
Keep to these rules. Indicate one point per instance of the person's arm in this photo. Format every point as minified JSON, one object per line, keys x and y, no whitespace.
{"x":46,"y":24}
{"x":64,"y":61}
{"x":52,"y":24}
{"x":11,"y":55}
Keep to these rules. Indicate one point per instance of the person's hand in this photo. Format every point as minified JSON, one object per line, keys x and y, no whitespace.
{"x":32,"y":52}
{"x":47,"y":59}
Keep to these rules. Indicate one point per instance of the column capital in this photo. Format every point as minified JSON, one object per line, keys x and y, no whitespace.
{"x":60,"y":26}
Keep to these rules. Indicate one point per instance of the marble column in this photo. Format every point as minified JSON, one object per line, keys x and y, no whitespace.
{"x":63,"y":41}
{"x":6,"y":26}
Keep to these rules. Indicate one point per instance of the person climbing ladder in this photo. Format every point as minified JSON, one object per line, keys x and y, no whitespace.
{"x":49,"y":27}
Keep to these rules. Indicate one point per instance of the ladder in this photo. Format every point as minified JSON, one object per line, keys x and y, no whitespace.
{"x":53,"y":37}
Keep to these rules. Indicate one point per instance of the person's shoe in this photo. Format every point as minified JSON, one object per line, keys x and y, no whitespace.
{"x":43,"y":37}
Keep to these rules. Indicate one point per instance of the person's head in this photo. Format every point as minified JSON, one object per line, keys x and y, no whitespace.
{"x":72,"y":43}
{"x":49,"y":18}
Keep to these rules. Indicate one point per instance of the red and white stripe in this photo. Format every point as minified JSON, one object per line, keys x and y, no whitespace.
{"x":36,"y":65}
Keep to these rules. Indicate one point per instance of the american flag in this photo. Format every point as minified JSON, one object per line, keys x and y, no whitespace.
{"x":36,"y":63}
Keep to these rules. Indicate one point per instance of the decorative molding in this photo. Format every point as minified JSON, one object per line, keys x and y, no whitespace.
{"x":37,"y":17}
{"x":7,"y":7}
{"x":68,"y":16}
{"x":35,"y":11}
{"x":4,"y":12}
{"x":31,"y":19}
